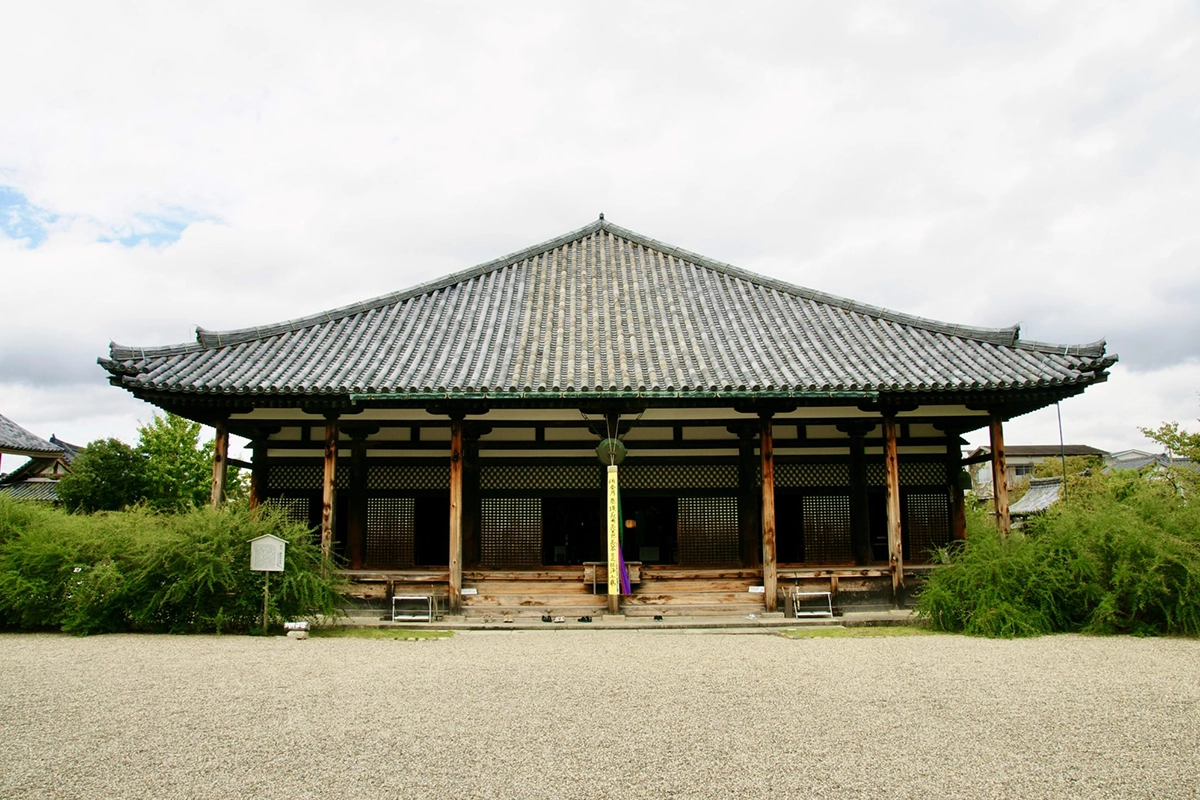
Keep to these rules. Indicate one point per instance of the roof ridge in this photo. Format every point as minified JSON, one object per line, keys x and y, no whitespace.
{"x":208,"y":338}
{"x":1005,"y":336}
{"x":205,"y":339}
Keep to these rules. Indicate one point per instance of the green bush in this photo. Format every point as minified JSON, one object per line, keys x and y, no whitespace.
{"x":137,"y":570}
{"x":1121,"y":555}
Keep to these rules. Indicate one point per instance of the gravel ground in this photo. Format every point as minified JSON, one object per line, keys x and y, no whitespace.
{"x":529,"y":714}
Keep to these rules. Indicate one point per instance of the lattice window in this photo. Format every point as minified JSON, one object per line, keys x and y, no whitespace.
{"x":708,"y":531}
{"x":679,"y":476}
{"x":927,"y":523}
{"x":922,"y":473}
{"x":511,"y":532}
{"x":540,"y":476}
{"x":912,"y":473}
{"x":306,"y":476}
{"x":410,"y":477}
{"x":390,"y":532}
{"x":825,"y":527}
{"x":812,"y":474}
{"x":296,"y":508}
{"x":296,"y":476}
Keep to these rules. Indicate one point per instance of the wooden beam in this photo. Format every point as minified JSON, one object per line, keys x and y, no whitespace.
{"x":220,"y":457}
{"x":258,"y":474}
{"x":999,"y":475}
{"x":767,"y":451}
{"x":328,"y":484}
{"x":891,"y":469}
{"x":749,"y":502}
{"x":456,"y":514}
{"x":958,"y":504}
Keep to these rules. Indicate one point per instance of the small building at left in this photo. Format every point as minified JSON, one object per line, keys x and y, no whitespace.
{"x":49,"y":460}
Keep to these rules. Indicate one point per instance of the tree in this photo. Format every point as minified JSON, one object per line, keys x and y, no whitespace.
{"x":1177,"y":441}
{"x":108,"y":475}
{"x":178,"y":467}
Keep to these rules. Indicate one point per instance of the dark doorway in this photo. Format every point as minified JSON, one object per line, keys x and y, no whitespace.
{"x":789,"y":521}
{"x":431,"y":523}
{"x":651,"y":529}
{"x":877,"y":513}
{"x":573,"y":530}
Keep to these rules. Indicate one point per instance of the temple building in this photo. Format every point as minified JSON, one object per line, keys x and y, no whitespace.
{"x":444,"y":438}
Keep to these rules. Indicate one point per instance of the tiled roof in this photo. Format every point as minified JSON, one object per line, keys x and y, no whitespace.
{"x":1046,"y":450}
{"x":1043,"y":493}
{"x":33,"y":489}
{"x":604,"y":309}
{"x":15,"y":439}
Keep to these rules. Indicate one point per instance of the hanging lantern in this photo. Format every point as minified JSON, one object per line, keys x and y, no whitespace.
{"x":611,"y":451}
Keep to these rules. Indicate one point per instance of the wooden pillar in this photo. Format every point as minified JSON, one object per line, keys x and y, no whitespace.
{"x":356,"y":512}
{"x":749,"y":501}
{"x":860,"y":513}
{"x":891,"y":467}
{"x":220,"y":461}
{"x":258,"y":474}
{"x":767,"y":451}
{"x":958,"y":505}
{"x":999,"y":475}
{"x":328,"y":485}
{"x":456,"y":514}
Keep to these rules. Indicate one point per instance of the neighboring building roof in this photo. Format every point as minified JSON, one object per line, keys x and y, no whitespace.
{"x":1043,"y":493}
{"x":1043,"y":450}
{"x":1126,"y":455}
{"x":17,"y":441}
{"x":1149,"y":460}
{"x":45,"y":465}
{"x":43,"y":489}
{"x":606,"y":310}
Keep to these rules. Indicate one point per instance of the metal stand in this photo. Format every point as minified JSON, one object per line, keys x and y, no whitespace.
{"x":809,"y":612}
{"x":413,"y":615}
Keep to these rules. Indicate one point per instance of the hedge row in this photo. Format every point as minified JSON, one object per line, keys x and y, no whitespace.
{"x":141,"y":571}
{"x":1120,"y":555}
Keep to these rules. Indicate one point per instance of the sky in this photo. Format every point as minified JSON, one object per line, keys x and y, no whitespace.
{"x":164,"y":166}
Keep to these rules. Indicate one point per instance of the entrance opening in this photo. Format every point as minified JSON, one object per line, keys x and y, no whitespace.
{"x":431,"y":521}
{"x":651,"y":532}
{"x":573,"y":530}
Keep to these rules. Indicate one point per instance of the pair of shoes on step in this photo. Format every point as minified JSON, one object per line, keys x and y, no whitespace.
{"x":585,"y":618}
{"x":547,"y":618}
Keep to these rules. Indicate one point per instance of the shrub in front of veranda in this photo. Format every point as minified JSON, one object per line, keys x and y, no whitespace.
{"x":137,"y":570}
{"x":1122,"y":555}
{"x":202,"y":580}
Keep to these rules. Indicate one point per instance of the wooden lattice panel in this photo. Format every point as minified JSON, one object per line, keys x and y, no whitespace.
{"x":927,"y":524}
{"x":409,"y":477}
{"x":540,"y":476}
{"x":678,"y":476}
{"x":511,"y":532}
{"x":812,"y":475}
{"x":305,"y":476}
{"x":708,"y":531}
{"x":912,"y":473}
{"x":825,"y":526}
{"x":390,"y":532}
{"x":296,"y":508}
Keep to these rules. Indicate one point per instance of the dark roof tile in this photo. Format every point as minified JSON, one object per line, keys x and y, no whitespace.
{"x":605,"y":309}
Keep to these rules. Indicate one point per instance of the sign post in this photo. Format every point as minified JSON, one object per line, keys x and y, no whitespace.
{"x":614,"y":541}
{"x":266,"y":556}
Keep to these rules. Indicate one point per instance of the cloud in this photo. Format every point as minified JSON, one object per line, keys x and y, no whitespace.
{"x":232,"y":165}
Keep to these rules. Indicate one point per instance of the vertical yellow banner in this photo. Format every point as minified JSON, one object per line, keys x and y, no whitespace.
{"x":614,"y":534}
